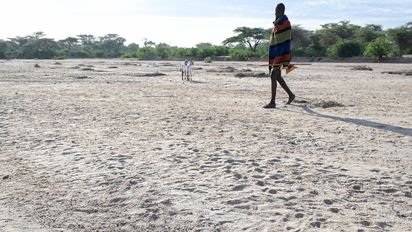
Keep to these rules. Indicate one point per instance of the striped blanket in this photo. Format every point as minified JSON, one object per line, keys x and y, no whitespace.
{"x":280,"y":42}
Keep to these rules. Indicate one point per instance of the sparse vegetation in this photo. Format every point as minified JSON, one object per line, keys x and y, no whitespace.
{"x":361,"y":68}
{"x":208,"y":60}
{"x":402,"y":72}
{"x":341,"y":39}
{"x":378,"y":48}
{"x":81,"y":77}
{"x":326,"y":104}
{"x":251,"y":74}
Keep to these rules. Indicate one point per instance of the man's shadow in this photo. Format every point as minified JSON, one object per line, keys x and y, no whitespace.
{"x":361,"y":122}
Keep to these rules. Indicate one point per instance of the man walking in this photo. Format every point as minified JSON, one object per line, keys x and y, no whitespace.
{"x":280,"y":53}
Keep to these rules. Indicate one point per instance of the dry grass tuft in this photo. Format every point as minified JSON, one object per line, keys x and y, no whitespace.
{"x":362,"y":68}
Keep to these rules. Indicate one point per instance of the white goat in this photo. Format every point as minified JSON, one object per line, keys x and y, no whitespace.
{"x":187,"y":71}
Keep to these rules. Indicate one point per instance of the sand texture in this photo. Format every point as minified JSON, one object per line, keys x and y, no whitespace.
{"x":113,"y":145}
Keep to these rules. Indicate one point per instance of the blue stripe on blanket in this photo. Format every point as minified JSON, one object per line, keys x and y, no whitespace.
{"x":280,"y":49}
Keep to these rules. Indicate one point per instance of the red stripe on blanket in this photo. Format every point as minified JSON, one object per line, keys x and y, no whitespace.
{"x":282,"y":26}
{"x":280,"y":59}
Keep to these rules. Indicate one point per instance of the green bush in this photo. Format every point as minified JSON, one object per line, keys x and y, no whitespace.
{"x":4,"y":48}
{"x":128,"y":55}
{"x":345,"y":49}
{"x":300,"y":52}
{"x":208,"y":60}
{"x":240,"y":54}
{"x":146,"y":53}
{"x":378,"y":48}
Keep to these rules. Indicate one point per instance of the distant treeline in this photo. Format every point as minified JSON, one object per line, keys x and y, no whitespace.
{"x":341,"y":39}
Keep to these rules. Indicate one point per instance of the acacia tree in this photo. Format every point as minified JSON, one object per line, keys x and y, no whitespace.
{"x":87,"y":45}
{"x":148,"y":52}
{"x":345,"y":49}
{"x":368,"y":33}
{"x":163,"y":50}
{"x":250,"y":37}
{"x":87,"y":39}
{"x":330,"y":34}
{"x":205,"y":50}
{"x":342,"y":30}
{"x":301,"y":41}
{"x":70,"y":44}
{"x":34,"y":46}
{"x":402,"y":36}
{"x":111,"y":44}
{"x":4,"y":47}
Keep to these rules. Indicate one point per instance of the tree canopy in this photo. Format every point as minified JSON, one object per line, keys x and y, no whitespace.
{"x":378,"y":48}
{"x":341,"y":39}
{"x":402,"y":36}
{"x":251,"y":37}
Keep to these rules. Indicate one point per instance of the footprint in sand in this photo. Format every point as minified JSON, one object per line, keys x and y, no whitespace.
{"x":299,"y":215}
{"x":260,"y":183}
{"x":277,"y":177}
{"x":365,"y":223}
{"x":258,"y":176}
{"x":316,"y":224}
{"x":389,"y":190}
{"x":239,"y":188}
{"x":274,"y":161}
{"x":328,"y":202}
{"x":334,"y":210}
{"x":258,"y":170}
{"x":273,"y":191}
{"x":234,"y":202}
{"x":237,"y":176}
{"x":68,"y":151}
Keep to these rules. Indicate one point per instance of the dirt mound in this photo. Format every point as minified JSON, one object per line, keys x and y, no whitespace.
{"x":131,"y":64}
{"x":402,"y":72}
{"x":167,"y":64}
{"x":251,"y":74}
{"x":81,"y":77}
{"x":361,"y":68}
{"x":326,"y":104}
{"x":227,"y":69}
{"x":154,"y":74}
{"x":320,"y":103}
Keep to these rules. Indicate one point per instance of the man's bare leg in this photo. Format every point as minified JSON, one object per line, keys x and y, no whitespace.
{"x":282,"y":83}
{"x":274,"y":75}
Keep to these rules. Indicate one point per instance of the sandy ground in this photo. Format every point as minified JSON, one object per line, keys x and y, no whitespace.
{"x":95,"y":145}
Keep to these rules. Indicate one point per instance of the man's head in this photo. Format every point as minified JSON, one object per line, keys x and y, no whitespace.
{"x":280,"y":10}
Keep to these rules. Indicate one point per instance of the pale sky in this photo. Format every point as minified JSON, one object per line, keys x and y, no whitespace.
{"x":185,"y":23}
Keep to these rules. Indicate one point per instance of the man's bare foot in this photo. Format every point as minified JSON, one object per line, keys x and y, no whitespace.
{"x":291,"y":98}
{"x":271,"y":105}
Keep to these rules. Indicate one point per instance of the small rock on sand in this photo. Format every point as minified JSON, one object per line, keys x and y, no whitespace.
{"x":316,"y":224}
{"x":272,"y":191}
{"x":334,"y":210}
{"x":365,"y":223}
{"x":328,"y":202}
{"x":299,"y":215}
